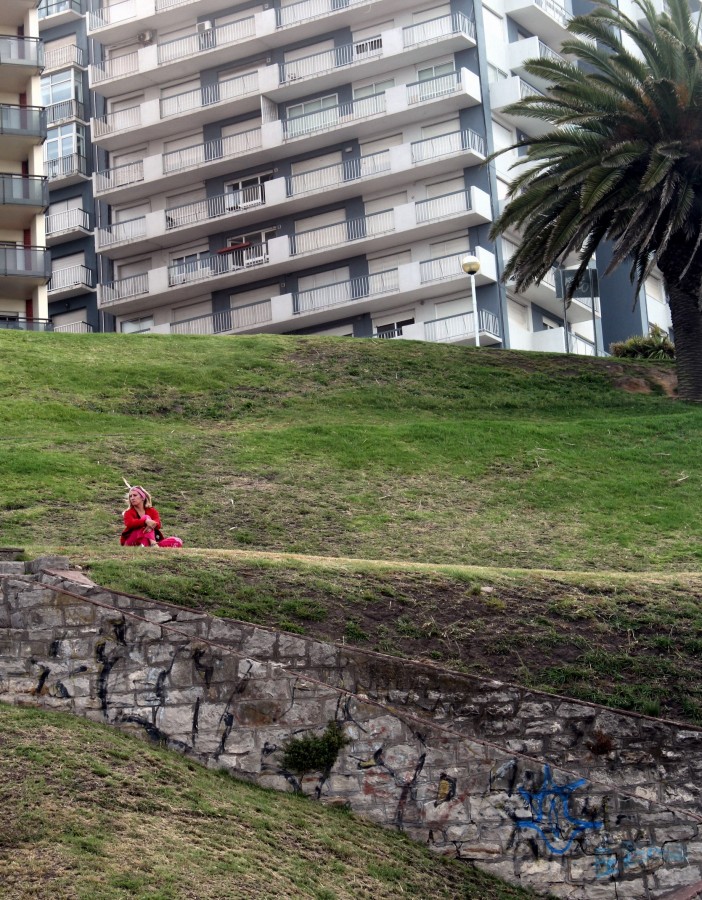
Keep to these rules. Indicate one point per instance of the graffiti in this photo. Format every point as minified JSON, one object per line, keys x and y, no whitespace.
{"x":615,"y":864}
{"x":551,"y":817}
{"x":446,"y":790}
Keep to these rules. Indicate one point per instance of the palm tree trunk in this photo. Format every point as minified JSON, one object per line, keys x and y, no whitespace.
{"x":685,"y":298}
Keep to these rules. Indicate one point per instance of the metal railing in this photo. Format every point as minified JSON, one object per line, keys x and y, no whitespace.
{"x":58,"y":57}
{"x":328,"y":60}
{"x":546,"y":52}
{"x":23,"y":120}
{"x":170,"y":4}
{"x":65,"y":109}
{"x":442,"y":207}
{"x":31,"y":261}
{"x":462,"y":325}
{"x":70,"y":277}
{"x":65,"y":221}
{"x":21,"y":51}
{"x":431,"y":88}
{"x":211,"y":265}
{"x":580,"y":345}
{"x":221,"y":148}
{"x":442,"y":268}
{"x":202,"y":41}
{"x":436,"y":29}
{"x":117,"y":121}
{"x":214,"y":207}
{"x":129,"y":230}
{"x":10,"y":322}
{"x":210,"y":94}
{"x":119,"y":176}
{"x":115,"y":67}
{"x":123,"y":289}
{"x":388,"y":333}
{"x":527,"y":90}
{"x":74,"y":328}
{"x":447,"y":144}
{"x":339,"y":173}
{"x":334,"y":116}
{"x":311,"y":9}
{"x":556,"y":11}
{"x":24,"y":190}
{"x":110,"y":15}
{"x":342,"y":292}
{"x":46,"y":9}
{"x":226,"y":320}
{"x":65,"y":166}
{"x":342,"y":232}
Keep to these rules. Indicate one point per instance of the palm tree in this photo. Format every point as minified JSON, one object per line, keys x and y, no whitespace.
{"x":622,"y":162}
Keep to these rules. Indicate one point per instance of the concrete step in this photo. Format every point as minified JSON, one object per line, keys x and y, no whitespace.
{"x":11,"y":568}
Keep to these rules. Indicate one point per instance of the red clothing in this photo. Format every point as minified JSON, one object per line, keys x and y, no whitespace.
{"x":134,"y":526}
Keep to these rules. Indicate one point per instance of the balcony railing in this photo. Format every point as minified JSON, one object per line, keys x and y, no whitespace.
{"x":342,"y":292}
{"x":27,"y":121}
{"x":117,"y":121}
{"x":115,"y":68}
{"x":580,"y":345}
{"x":212,"y":264}
{"x":437,"y":29}
{"x":46,"y":9}
{"x":556,"y":11}
{"x":388,"y":333}
{"x":227,"y":320}
{"x":222,"y":148}
{"x":119,"y":176}
{"x":60,"y":57}
{"x":21,"y":51}
{"x":110,"y":15}
{"x":527,"y":90}
{"x":339,"y":173}
{"x":342,"y":233}
{"x":441,"y":268}
{"x":442,"y":207}
{"x":327,"y":61}
{"x":71,"y":277}
{"x":24,"y":190}
{"x":431,"y":88}
{"x":123,"y":289}
{"x":57,"y":223}
{"x":65,"y":166}
{"x":18,"y":260}
{"x":21,"y":323}
{"x":214,"y":207}
{"x":65,"y":110}
{"x":75,"y":328}
{"x":462,"y":325}
{"x":170,"y":4}
{"x":129,"y":230}
{"x":448,"y":144}
{"x":311,"y":9}
{"x":545,"y":52}
{"x":334,"y":116}
{"x":193,"y":44}
{"x":210,"y":94}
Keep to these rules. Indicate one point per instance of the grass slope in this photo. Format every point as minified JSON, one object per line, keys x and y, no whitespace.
{"x":91,"y":814}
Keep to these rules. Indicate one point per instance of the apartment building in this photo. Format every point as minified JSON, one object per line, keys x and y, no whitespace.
{"x":296,"y":167}
{"x":24,"y":258}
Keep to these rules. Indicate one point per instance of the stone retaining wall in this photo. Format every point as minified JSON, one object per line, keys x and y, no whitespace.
{"x":232,"y":695}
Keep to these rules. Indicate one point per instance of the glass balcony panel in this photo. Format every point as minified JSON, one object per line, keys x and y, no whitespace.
{"x":24,"y":190}
{"x":21,"y":323}
{"x":21,"y":51}
{"x":53,"y":8}
{"x":23,"y":120}
{"x":16,"y":259}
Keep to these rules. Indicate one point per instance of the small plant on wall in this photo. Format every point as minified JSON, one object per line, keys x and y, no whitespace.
{"x":314,"y":753}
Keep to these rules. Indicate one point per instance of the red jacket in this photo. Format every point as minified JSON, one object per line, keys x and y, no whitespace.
{"x":132,"y":520}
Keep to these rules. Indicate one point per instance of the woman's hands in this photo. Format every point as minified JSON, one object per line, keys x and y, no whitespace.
{"x":150,"y":524}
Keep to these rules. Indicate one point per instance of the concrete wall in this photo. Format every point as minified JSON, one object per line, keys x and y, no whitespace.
{"x":568,"y":798}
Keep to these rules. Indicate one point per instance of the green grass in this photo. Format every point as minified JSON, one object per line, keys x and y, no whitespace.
{"x":91,"y":814}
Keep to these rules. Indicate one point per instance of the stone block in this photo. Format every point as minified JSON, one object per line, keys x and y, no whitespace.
{"x":669,"y":878}
{"x":138,"y":631}
{"x":260,"y":644}
{"x":291,"y":647}
{"x":47,"y":562}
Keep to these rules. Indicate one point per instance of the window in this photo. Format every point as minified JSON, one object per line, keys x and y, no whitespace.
{"x":255,"y":249}
{"x":312,"y":106}
{"x":393,"y":329}
{"x":323,"y":112}
{"x":495,"y":36}
{"x":64,"y":140}
{"x":426,"y":73}
{"x":370,"y":90}
{"x":144,"y":323}
{"x":61,"y":86}
{"x":246,"y":192}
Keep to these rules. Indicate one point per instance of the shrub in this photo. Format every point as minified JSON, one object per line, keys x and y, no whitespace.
{"x":314,"y":753}
{"x":655,"y":345}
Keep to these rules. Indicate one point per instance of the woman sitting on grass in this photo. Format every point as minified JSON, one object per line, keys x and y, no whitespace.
{"x":142,"y":523}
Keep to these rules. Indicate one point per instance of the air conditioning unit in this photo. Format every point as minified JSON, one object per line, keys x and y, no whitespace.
{"x":146,"y":37}
{"x":204,"y":26}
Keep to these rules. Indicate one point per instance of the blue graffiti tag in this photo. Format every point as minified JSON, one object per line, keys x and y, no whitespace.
{"x":551,"y":815}
{"x":612,"y":863}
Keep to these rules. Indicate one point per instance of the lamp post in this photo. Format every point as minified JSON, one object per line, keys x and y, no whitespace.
{"x":471,"y":265}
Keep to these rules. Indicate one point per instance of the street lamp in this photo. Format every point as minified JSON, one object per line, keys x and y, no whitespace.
{"x":471,"y":266}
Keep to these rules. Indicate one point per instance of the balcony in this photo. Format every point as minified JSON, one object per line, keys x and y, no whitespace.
{"x":210,"y":95}
{"x":223,"y":149}
{"x":22,"y":269}
{"x":66,"y":170}
{"x":547,"y":19}
{"x":469,"y":144}
{"x":460,"y":329}
{"x":20,"y":59}
{"x":343,"y":293}
{"x":215,"y":207}
{"x":229,"y":321}
{"x":521,"y":52}
{"x":437,"y":30}
{"x":66,"y":226}
{"x":119,"y":177}
{"x":511,"y":90}
{"x":64,"y":57}
{"x":308,"y":10}
{"x":360,"y":230}
{"x":214,"y":264}
{"x":128,"y":231}
{"x":329,"y":177}
{"x":124,"y":120}
{"x":22,"y":197}
{"x":65,"y":111}
{"x":21,"y":128}
{"x":70,"y":282}
{"x":122,"y":289}
{"x":11,"y":322}
{"x":74,"y":328}
{"x":59,"y":12}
